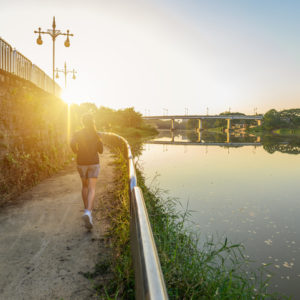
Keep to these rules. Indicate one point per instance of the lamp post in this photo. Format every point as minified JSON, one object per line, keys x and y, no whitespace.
{"x":66,"y":72}
{"x":54,"y":34}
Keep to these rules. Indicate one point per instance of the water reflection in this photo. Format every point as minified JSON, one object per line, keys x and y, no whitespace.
{"x":251,"y":195}
{"x":271,"y":143}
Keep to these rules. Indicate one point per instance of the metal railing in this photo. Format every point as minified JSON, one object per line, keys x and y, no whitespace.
{"x":17,"y":64}
{"x":149,"y":280}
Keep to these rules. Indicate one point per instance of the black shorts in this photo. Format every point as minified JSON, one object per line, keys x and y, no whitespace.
{"x":88,"y":171}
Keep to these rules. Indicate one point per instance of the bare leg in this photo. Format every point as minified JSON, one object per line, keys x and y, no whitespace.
{"x":91,"y":193}
{"x":84,"y":192}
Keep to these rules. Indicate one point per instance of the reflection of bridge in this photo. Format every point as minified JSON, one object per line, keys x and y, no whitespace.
{"x":200,"y":141}
{"x":200,"y":118}
{"x":225,"y":144}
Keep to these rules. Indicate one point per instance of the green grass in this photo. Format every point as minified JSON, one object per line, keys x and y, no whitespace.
{"x":131,"y":132}
{"x":121,"y":286}
{"x":217,"y":129}
{"x":193,"y":267}
{"x":287,"y":131}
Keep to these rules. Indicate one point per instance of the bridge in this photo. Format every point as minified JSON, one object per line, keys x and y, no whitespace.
{"x":15,"y":63}
{"x":200,"y":119}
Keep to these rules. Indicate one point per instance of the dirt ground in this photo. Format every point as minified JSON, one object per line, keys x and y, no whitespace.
{"x":44,"y":247}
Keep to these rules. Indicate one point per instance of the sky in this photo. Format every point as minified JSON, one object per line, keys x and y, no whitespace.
{"x":158,"y":55}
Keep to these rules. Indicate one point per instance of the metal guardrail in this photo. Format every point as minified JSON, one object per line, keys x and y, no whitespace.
{"x":17,"y":64}
{"x":149,"y":280}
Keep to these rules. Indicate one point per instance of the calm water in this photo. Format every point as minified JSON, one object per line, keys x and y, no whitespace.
{"x":251,"y":194}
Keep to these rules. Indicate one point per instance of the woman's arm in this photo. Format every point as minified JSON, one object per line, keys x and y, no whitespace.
{"x":100,"y":146}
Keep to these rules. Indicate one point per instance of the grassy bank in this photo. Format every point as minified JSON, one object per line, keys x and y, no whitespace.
{"x":131,"y":132}
{"x":193,"y":268}
{"x":281,"y":131}
{"x":287,"y":131}
{"x":197,"y":268}
{"x":216,"y":129}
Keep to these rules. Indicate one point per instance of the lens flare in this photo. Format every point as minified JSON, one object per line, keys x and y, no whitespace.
{"x":69,"y":125}
{"x":68,"y":96}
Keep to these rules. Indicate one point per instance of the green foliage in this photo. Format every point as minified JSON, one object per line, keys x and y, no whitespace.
{"x":121,"y":286}
{"x":289,"y":118}
{"x":272,"y":119}
{"x":166,"y":124}
{"x":192,"y":124}
{"x":35,"y":140}
{"x":126,"y":122}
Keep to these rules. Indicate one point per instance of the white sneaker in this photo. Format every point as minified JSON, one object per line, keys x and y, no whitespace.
{"x":87,"y":218}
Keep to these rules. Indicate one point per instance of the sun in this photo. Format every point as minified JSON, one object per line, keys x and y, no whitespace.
{"x":69,"y":96}
{"x":72,"y":96}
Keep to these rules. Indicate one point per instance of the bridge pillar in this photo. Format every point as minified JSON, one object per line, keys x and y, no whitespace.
{"x":258,"y":122}
{"x":228,"y":136}
{"x":199,"y":132}
{"x":172,"y":136}
{"x":228,"y":124}
{"x":172,"y":124}
{"x":200,"y":127}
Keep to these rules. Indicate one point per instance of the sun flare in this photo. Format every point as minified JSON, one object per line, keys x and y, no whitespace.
{"x":71,"y":96}
{"x":68,"y":96}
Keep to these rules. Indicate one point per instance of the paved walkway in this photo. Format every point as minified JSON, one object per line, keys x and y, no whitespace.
{"x":44,"y":247}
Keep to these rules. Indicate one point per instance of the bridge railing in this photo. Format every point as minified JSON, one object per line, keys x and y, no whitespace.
{"x":149,"y":280}
{"x":17,"y":64}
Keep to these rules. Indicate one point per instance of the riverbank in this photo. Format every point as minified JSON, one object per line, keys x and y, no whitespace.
{"x":193,"y":268}
{"x":281,"y":131}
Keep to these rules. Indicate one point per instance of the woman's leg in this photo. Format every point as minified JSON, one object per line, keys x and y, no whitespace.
{"x":91,"y":193}
{"x":84,"y":191}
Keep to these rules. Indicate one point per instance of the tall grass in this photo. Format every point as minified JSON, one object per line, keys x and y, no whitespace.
{"x":196,"y":268}
{"x":193,"y":268}
{"x":121,"y":286}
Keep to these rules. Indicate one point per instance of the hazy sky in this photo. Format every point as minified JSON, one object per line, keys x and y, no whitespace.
{"x":156,"y":54}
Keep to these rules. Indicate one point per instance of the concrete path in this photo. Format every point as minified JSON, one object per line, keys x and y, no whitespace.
{"x":44,"y":247}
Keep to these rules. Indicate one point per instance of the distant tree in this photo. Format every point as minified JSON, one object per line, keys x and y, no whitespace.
{"x":105,"y":118}
{"x":128,"y":117}
{"x":271,"y":119}
{"x":192,"y":124}
{"x":88,"y":107}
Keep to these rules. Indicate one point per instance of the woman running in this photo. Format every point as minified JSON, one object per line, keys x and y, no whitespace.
{"x":86,"y":144}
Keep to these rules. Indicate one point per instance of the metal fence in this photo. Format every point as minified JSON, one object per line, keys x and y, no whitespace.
{"x":17,"y":64}
{"x":149,"y":280}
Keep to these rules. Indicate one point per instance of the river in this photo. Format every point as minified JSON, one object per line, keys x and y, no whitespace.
{"x":250,"y":194}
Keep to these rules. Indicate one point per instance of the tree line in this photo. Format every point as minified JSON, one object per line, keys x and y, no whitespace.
{"x":288,"y":118}
{"x":107,"y":119}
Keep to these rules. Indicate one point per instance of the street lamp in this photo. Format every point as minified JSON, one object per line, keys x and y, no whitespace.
{"x":65,"y":71}
{"x":54,"y":34}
